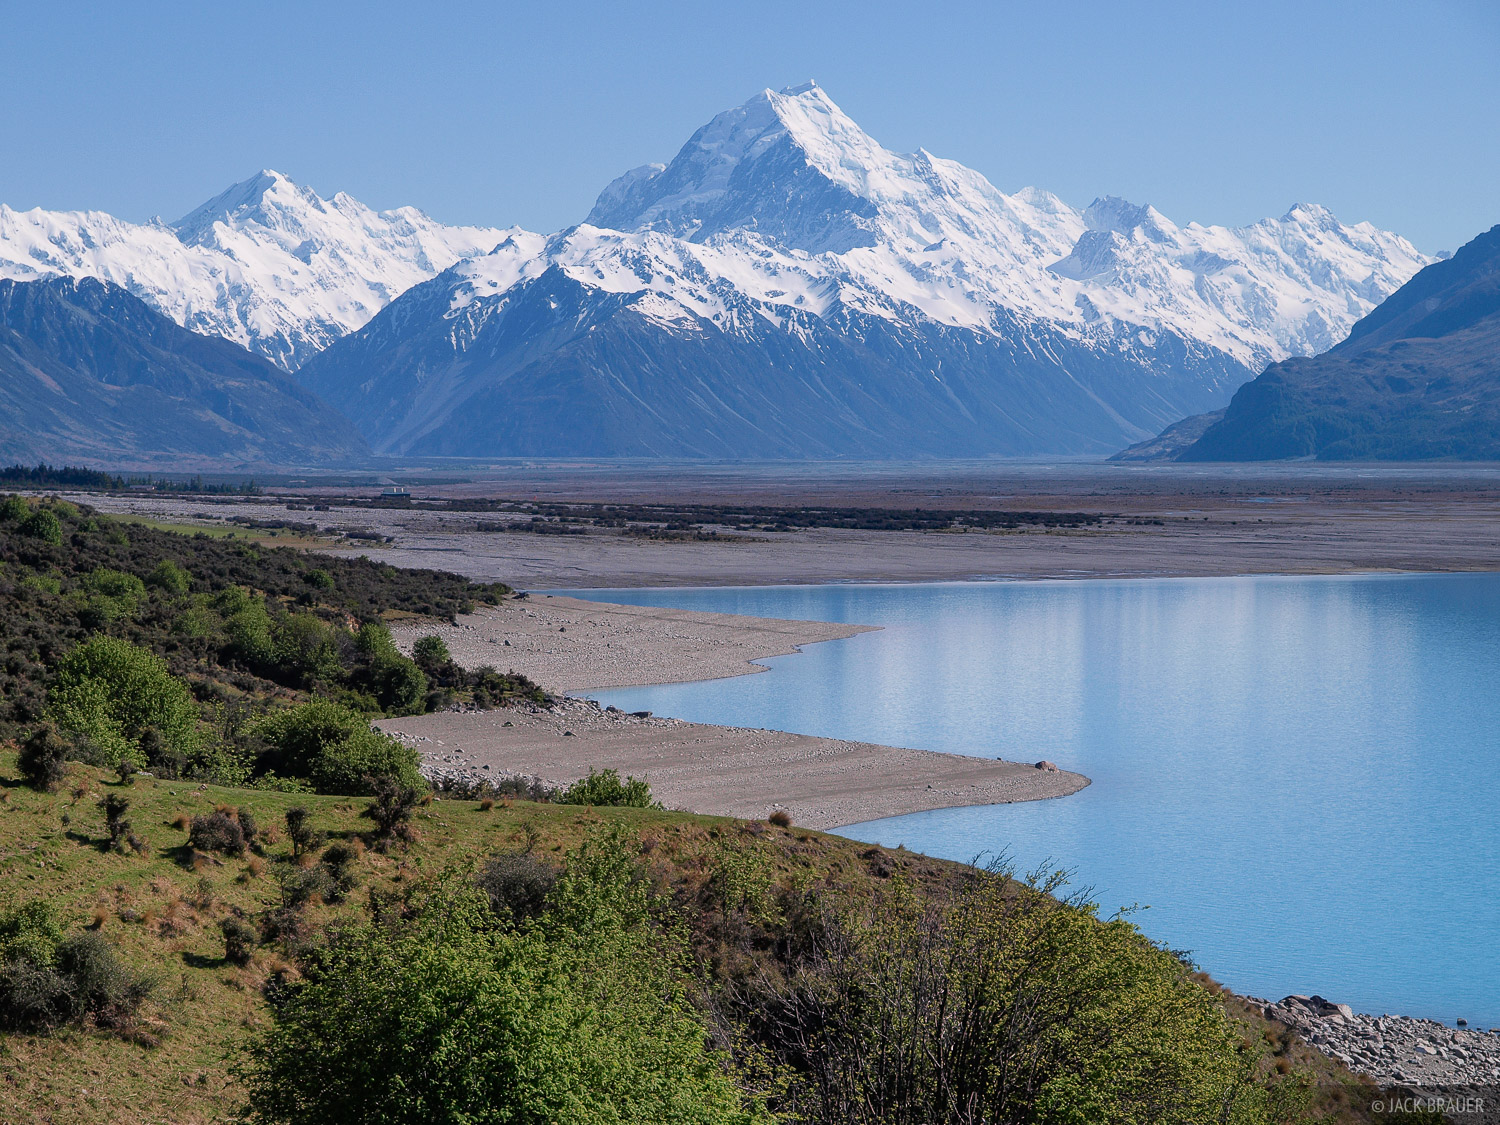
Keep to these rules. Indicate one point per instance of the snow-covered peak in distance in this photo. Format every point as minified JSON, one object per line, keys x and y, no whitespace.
{"x":267,"y":263}
{"x":790,"y":170}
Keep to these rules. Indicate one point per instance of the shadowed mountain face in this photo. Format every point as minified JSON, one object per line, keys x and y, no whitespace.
{"x":786,"y":287}
{"x":1417,"y":379}
{"x":89,"y":372}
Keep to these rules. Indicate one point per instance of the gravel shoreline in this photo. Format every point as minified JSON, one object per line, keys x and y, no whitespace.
{"x":820,"y":783}
{"x":1399,"y":1050}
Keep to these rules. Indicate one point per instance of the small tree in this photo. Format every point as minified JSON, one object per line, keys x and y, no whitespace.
{"x":517,"y":885}
{"x":43,"y":524}
{"x":392,"y":808}
{"x":339,"y":861}
{"x":431,"y":653}
{"x":120,"y":832}
{"x":43,"y":758}
{"x":218,"y":831}
{"x":334,"y":748}
{"x":300,"y":831}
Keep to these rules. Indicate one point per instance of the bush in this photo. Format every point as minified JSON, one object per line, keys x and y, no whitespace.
{"x":431,"y":653}
{"x":14,"y":509}
{"x":334,"y":748}
{"x":299,"y":887}
{"x":240,"y":940}
{"x":392,"y":808}
{"x":450,"y":1018}
{"x":218,"y":831}
{"x":997,"y":1004}
{"x":517,"y":885}
{"x":126,"y":590}
{"x":169,"y":578}
{"x":306,"y":647}
{"x":43,"y":758}
{"x":606,"y":789}
{"x":48,"y":979}
{"x":101,"y":985}
{"x":339,"y":860}
{"x":398,"y":684}
{"x":112,"y":692}
{"x":43,"y":524}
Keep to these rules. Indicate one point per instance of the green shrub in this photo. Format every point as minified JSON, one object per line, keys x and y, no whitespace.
{"x":334,"y":749}
{"x":248,"y":626}
{"x":121,"y":835}
{"x":606,"y":789}
{"x":339,"y":861}
{"x":430,"y":653}
{"x":306,"y":647}
{"x":999,"y":1004}
{"x":14,"y":509}
{"x":449,"y":1018}
{"x":43,"y":524}
{"x":127,"y":589}
{"x":112,"y":692}
{"x":300,"y":830}
{"x":392,"y":808}
{"x":169,"y":578}
{"x":396,"y":682}
{"x":219,"y":831}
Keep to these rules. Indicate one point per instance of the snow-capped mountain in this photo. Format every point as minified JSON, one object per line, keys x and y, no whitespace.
{"x":267,"y":264}
{"x":788,"y":287}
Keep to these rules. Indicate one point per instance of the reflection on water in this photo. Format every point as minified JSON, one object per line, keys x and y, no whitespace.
{"x":1296,"y":778}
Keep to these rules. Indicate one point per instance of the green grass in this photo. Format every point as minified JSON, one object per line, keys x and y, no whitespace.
{"x":163,"y":913}
{"x":164,"y":916}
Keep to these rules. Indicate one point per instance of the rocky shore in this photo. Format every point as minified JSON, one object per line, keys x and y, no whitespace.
{"x":1393,"y":1050}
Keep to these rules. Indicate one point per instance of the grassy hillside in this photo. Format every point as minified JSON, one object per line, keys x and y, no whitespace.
{"x":163,"y":909}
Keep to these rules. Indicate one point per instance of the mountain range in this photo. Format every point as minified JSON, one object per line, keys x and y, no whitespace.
{"x":1417,"y":379}
{"x":783,"y":287}
{"x":267,"y":263}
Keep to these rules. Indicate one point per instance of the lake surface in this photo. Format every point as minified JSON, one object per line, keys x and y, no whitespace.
{"x":1296,"y":779}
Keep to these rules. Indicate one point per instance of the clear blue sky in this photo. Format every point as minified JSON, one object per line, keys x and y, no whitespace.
{"x":505,"y":112}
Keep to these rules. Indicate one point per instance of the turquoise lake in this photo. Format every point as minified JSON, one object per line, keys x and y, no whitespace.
{"x":1295,"y":779}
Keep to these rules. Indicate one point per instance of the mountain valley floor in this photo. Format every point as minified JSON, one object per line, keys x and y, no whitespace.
{"x":1141,"y":521}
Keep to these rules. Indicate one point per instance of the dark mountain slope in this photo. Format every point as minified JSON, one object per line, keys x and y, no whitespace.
{"x":90,"y":372}
{"x":1417,"y":379}
{"x":556,"y":368}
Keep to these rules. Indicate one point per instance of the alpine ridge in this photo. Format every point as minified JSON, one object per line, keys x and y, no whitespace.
{"x":267,"y":263}
{"x":1416,"y":379}
{"x":787,"y":287}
